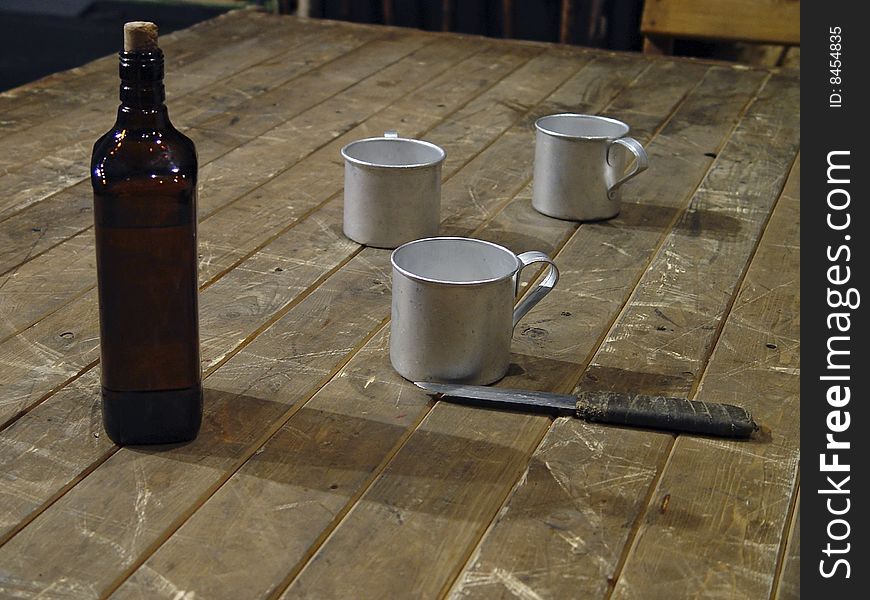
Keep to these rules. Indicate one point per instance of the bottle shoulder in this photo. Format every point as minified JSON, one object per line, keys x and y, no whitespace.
{"x":142,"y":151}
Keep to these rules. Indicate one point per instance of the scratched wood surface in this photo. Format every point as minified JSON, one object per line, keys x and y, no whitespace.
{"x":319,"y":472}
{"x":756,"y":363}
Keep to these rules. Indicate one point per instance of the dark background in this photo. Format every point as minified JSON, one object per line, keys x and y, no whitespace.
{"x":614,"y":25}
{"x":39,"y":37}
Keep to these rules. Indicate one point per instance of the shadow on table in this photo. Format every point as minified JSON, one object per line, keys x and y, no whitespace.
{"x":694,"y":221}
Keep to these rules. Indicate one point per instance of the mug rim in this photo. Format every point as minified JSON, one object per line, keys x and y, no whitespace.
{"x":540,"y":127}
{"x":474,"y":282}
{"x":442,"y":154}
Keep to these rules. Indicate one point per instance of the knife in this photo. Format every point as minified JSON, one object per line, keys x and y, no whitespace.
{"x":637,"y":410}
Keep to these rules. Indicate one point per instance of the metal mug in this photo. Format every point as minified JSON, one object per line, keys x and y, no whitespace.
{"x":453,"y":312}
{"x":579,"y":170}
{"x":392,"y":190}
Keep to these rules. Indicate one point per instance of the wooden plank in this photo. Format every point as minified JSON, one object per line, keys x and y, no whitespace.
{"x":50,"y":451}
{"x":40,"y":287}
{"x":437,"y":508}
{"x":670,"y":324}
{"x":54,"y":220}
{"x":319,"y":298}
{"x":475,"y":74}
{"x":49,"y":156}
{"x":789,"y":584}
{"x":599,"y":486}
{"x":543,"y":555}
{"x":723,"y":527}
{"x":766,"y":21}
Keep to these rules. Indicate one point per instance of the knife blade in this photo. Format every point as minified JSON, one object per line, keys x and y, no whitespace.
{"x":636,"y":410}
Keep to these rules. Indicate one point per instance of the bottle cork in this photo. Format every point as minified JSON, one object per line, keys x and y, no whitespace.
{"x":140,"y":36}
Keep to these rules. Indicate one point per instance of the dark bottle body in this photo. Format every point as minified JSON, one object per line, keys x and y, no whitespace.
{"x":143,"y":172}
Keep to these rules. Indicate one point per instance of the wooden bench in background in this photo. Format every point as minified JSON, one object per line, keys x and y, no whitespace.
{"x":766,"y":22}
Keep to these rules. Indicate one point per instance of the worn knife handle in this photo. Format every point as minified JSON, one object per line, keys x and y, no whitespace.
{"x":661,"y":412}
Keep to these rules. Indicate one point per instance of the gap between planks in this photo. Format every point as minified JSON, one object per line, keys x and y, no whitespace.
{"x":792,"y":524}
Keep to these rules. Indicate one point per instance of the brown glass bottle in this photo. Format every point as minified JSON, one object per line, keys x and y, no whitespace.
{"x":143,"y":172}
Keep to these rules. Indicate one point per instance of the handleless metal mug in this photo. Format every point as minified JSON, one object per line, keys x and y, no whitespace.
{"x":453,"y":311}
{"x":580,"y":166}
{"x":392,"y":190}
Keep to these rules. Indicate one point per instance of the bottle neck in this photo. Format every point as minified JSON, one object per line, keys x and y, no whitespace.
{"x":142,"y":81}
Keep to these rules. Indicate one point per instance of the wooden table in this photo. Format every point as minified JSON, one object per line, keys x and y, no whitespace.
{"x":319,"y":472}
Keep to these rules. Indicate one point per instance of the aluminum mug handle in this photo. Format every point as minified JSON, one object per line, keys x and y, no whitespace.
{"x":542,"y":289}
{"x":641,"y":161}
